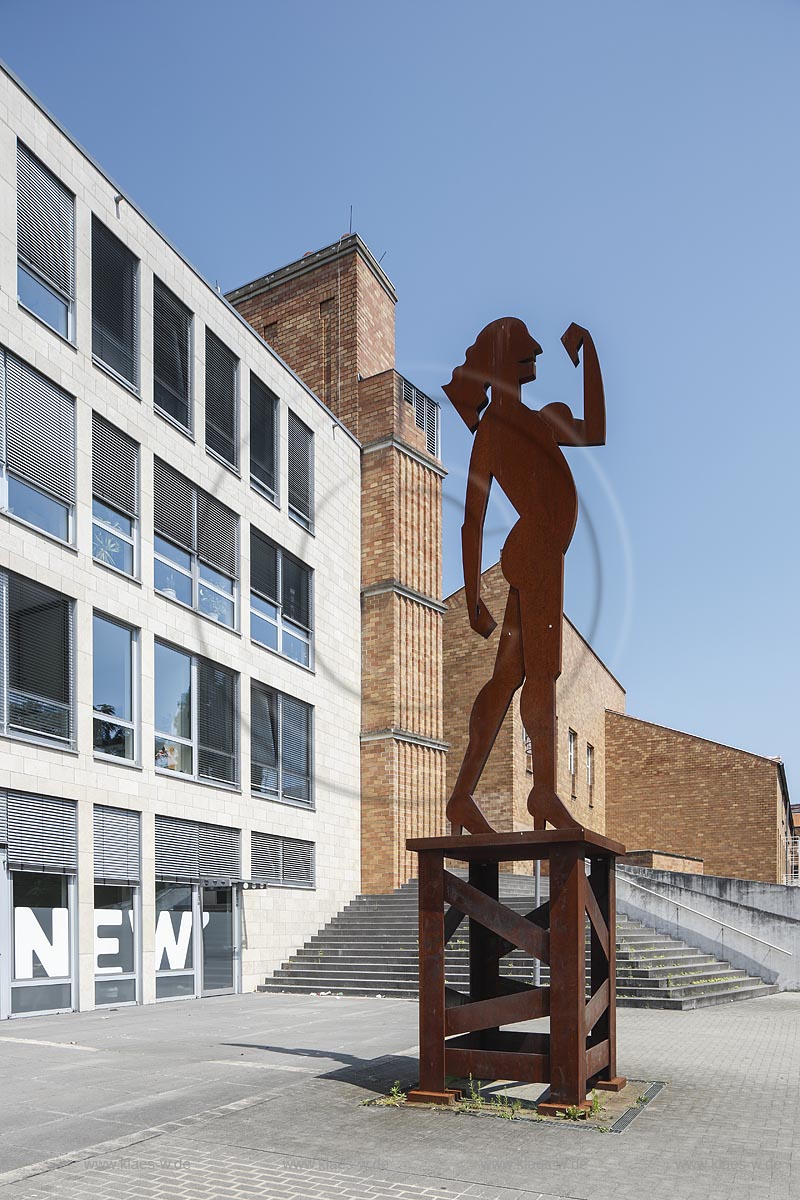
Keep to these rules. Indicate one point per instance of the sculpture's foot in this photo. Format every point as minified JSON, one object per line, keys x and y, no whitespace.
{"x":547,"y":808}
{"x":463,"y":813}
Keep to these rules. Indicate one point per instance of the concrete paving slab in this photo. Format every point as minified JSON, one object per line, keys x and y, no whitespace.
{"x":263,"y":1092}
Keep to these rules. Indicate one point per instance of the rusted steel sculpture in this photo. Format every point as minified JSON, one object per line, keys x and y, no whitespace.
{"x":460,"y":1033}
{"x":521,"y":450}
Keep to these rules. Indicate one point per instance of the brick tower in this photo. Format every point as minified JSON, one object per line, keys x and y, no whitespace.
{"x":330,"y":316}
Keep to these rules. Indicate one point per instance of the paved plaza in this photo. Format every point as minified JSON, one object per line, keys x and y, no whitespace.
{"x":260,"y":1096}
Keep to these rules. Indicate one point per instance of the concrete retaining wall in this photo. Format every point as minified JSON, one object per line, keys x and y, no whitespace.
{"x":754,"y":926}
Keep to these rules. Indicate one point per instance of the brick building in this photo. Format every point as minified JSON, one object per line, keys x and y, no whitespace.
{"x":673,"y":792}
{"x":676,"y":801}
{"x":331,"y":317}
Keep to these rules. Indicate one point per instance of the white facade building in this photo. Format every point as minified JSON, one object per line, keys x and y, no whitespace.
{"x":179,"y":611}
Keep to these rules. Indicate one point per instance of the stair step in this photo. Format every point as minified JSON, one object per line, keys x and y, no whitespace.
{"x":371,"y":949}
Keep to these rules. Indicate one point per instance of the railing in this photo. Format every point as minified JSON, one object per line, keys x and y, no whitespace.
{"x":426,"y":414}
{"x":714,"y":920}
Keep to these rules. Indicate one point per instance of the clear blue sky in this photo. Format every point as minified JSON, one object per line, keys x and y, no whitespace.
{"x":630,"y":166}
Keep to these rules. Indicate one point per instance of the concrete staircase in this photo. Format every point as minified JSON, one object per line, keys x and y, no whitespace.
{"x":370,"y":949}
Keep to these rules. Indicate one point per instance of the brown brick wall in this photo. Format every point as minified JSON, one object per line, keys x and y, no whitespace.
{"x":331,"y":317}
{"x":584,"y":691}
{"x":663,"y":862}
{"x":680,"y":794}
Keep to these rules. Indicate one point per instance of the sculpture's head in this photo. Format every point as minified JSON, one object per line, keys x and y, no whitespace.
{"x":503,"y":355}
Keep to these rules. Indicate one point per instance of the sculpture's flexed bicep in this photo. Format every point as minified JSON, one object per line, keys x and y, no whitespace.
{"x":591,"y":430}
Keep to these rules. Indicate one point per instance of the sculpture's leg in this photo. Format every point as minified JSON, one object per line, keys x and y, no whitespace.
{"x":541,"y":617}
{"x":538,"y":709}
{"x":488,"y":713}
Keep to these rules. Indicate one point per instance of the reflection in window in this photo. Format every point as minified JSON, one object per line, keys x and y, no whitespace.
{"x":196,"y":716}
{"x":113,"y":666}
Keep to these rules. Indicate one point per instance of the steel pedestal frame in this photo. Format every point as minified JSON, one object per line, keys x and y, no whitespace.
{"x":460,"y":1034}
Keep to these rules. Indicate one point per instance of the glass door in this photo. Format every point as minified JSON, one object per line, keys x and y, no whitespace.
{"x":220,"y":941}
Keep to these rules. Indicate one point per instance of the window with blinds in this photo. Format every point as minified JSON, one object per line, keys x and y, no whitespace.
{"x":300,"y":472}
{"x":115,"y":305}
{"x":117,"y":845}
{"x":194,"y":850}
{"x":196,"y":716}
{"x":283,"y":862}
{"x":280,"y":746}
{"x":115,"y":497}
{"x":45,"y":243}
{"x":263,"y":438}
{"x":42,"y":832}
{"x":37,"y":445}
{"x":172,"y":324}
{"x":196,"y":546}
{"x":36,"y":653}
{"x":221,"y":415}
{"x":280,"y":600}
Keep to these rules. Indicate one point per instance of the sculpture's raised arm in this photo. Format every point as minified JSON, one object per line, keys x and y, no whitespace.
{"x":591,"y":430}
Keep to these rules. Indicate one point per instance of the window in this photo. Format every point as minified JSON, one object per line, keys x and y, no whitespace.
{"x":45,"y":244}
{"x":221,"y":418}
{"x":115,"y":305}
{"x":280,"y":741}
{"x":263,"y":440}
{"x":572,"y":746}
{"x":37,"y":428}
{"x":172,"y":323}
{"x":114,"y":667}
{"x":590,"y":770}
{"x":196,"y":717}
{"x":301,"y":472}
{"x":286,"y":862}
{"x":115,"y":497}
{"x":280,"y":600}
{"x":36,"y":648}
{"x":196,"y":547}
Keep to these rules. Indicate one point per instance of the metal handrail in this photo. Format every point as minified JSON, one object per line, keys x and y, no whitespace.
{"x":714,"y":920}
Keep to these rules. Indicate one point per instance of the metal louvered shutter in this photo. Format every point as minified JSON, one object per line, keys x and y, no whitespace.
{"x":177,"y":853}
{"x":173,"y":505}
{"x":40,"y":430}
{"x":298,"y":863}
{"x":172,"y":322}
{"x":217,"y":722}
{"x":115,"y":467}
{"x":40,"y":660}
{"x":219,"y":853}
{"x":217,"y":534}
{"x":42,"y":832}
{"x":300,"y":469}
{"x":115,"y":304}
{"x":221,"y":369}
{"x":295,"y":590}
{"x":296,"y":749}
{"x":263,"y":441}
{"x":117,"y":845}
{"x":3,"y":818}
{"x":45,"y":223}
{"x":431,"y":426}
{"x":263,"y":566}
{"x":265,"y":858}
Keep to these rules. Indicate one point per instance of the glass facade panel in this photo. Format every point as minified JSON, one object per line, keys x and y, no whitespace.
{"x":45,"y":997}
{"x":41,"y":943}
{"x":173,"y":692}
{"x":174,"y":932}
{"x":174,"y":987}
{"x":114,"y":991}
{"x":114,"y":925}
{"x":42,"y":301}
{"x":37,"y":508}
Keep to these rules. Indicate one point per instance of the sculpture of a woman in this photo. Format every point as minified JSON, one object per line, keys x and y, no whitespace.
{"x":521,"y":449}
